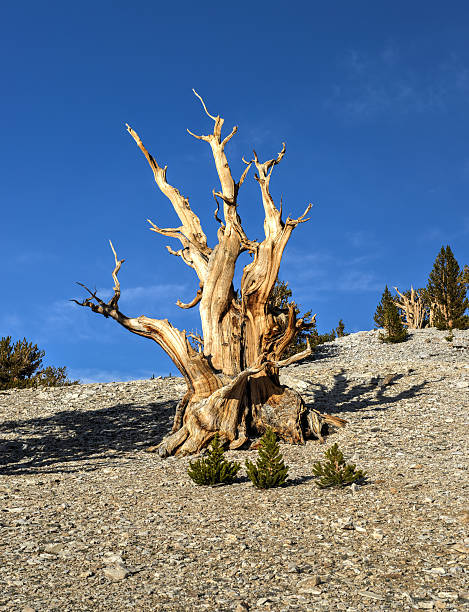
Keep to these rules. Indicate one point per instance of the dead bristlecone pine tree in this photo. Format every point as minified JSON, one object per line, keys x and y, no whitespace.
{"x":232,"y":379}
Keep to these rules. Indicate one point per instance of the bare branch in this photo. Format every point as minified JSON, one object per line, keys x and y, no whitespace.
{"x":229,"y":137}
{"x":201,"y":137}
{"x":203,"y":104}
{"x":117,"y":287}
{"x":197,"y":338}
{"x":243,"y":176}
{"x":301,"y":219}
{"x":195,"y":301}
{"x":191,"y":233}
{"x":215,"y":214}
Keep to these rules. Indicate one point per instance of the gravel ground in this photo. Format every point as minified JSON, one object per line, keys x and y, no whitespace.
{"x":90,"y":521}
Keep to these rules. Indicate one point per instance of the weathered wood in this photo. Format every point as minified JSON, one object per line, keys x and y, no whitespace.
{"x":414,"y":310}
{"x":232,"y":381}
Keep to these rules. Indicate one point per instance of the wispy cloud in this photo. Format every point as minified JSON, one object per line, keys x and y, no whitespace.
{"x":357,"y":281}
{"x":11,"y":325}
{"x":360,"y":239}
{"x":315,"y":274}
{"x":94,"y":375}
{"x":386,"y":82}
{"x":132,"y":294}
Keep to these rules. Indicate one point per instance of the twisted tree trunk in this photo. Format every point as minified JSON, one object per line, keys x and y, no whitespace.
{"x":232,"y":379}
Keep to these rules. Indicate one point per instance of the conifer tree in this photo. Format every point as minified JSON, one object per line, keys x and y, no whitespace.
{"x":270,"y":470}
{"x":20,"y":366}
{"x":395,"y":330}
{"x":213,"y":469}
{"x":386,"y":299}
{"x":447,"y":292}
{"x":335,"y":472}
{"x":340,"y":330}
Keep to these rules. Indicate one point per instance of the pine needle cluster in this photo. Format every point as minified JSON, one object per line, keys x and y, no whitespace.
{"x":335,"y":472}
{"x":270,"y":470}
{"x":213,"y":469}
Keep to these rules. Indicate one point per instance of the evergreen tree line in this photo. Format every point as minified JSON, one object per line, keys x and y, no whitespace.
{"x":21,"y":366}
{"x":442,"y":303}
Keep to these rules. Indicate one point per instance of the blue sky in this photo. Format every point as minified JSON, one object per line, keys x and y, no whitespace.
{"x":371,"y":99}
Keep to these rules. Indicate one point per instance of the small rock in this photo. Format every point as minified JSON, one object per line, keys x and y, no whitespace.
{"x":54,"y":548}
{"x":116,"y":572}
{"x":113,"y":558}
{"x":231,"y":538}
{"x":462,"y":548}
{"x":28,"y":609}
{"x":371,"y":594}
{"x":242,"y":607}
{"x":447,"y":595}
{"x":86,"y":574}
{"x":345,"y":523}
{"x":387,"y":380}
{"x":377,"y":534}
{"x":262,"y":601}
{"x":306,"y":585}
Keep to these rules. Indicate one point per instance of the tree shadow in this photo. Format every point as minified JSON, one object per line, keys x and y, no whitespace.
{"x":65,"y":441}
{"x":339,"y":398}
{"x":61,"y":442}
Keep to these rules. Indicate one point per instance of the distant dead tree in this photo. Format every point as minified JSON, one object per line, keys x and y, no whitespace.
{"x":414,"y":310}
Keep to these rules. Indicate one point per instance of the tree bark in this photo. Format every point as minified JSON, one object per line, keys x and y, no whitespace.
{"x":233,"y":386}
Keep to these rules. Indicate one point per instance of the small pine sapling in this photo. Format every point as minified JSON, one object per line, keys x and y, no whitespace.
{"x":213,"y":469}
{"x":270,"y":470}
{"x":335,"y":472}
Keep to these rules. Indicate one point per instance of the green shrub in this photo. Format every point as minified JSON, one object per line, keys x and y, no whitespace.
{"x":335,"y":472}
{"x":213,"y":469}
{"x":270,"y":470}
{"x":20,"y":366}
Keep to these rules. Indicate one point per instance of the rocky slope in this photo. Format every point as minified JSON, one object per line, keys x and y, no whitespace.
{"x":90,"y":521}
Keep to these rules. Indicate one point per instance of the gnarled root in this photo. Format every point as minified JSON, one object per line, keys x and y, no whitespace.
{"x":245,"y":408}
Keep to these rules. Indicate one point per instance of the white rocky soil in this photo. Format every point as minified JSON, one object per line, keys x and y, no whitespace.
{"x":90,"y":521}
